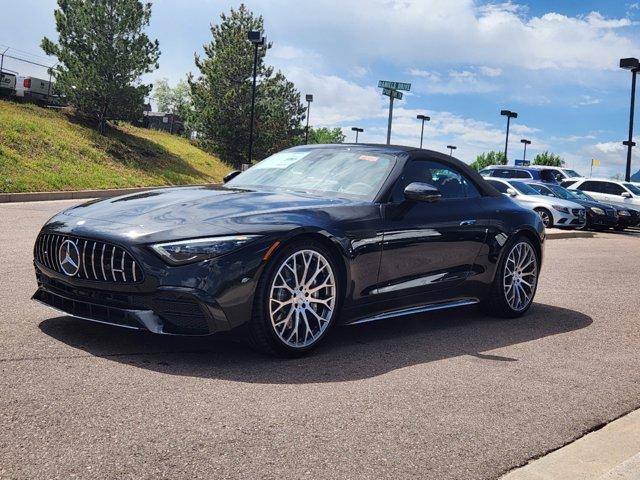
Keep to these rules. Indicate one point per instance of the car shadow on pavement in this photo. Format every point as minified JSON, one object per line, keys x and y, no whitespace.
{"x":350,"y":352}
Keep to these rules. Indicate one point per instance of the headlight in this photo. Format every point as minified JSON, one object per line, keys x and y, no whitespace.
{"x":560,"y":208}
{"x":623,"y":213}
{"x":198,"y":249}
{"x":597,"y":211}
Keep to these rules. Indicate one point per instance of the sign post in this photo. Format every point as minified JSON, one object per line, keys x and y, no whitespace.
{"x":390,"y":89}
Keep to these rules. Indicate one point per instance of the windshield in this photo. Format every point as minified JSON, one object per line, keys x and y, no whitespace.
{"x":571,"y":173}
{"x":523,"y":188}
{"x":351,"y":172}
{"x":632,"y":188}
{"x":562,"y":192}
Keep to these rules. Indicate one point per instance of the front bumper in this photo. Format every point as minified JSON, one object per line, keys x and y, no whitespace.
{"x":596,"y":220}
{"x":168,"y":310}
{"x":568,"y":220}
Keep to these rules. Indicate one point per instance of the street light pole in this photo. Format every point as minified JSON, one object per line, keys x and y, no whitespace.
{"x":255,"y":37}
{"x":357,"y":130}
{"x":632,"y":64}
{"x":526,"y":142}
{"x":309,"y":99}
{"x":451,"y":149}
{"x":509,"y":114}
{"x":424,"y":118}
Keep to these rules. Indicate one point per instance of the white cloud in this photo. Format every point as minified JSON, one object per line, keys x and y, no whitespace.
{"x":490,"y":72}
{"x":589,"y":100}
{"x":445,"y":32}
{"x":470,"y":80}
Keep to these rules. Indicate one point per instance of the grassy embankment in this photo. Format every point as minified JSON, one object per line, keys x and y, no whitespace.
{"x":46,"y":150}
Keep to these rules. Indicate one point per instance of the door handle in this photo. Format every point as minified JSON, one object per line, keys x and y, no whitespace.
{"x":466,"y":223}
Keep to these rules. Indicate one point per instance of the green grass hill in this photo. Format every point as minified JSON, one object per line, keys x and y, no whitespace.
{"x":46,"y":150}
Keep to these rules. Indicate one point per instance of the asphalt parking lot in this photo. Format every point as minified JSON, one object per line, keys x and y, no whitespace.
{"x":453,"y":395}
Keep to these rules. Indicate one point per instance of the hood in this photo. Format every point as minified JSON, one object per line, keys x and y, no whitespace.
{"x":184,"y":211}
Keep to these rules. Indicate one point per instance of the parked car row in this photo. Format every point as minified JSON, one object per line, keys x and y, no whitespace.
{"x":564,"y":199}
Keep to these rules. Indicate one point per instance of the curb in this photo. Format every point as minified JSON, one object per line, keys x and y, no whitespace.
{"x":79,"y":194}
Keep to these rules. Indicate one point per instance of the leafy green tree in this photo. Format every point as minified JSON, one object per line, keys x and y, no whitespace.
{"x":326,"y":135}
{"x":102,"y":51}
{"x":221,"y":95}
{"x":549,"y":159}
{"x":489,"y":158}
{"x":170,"y":99}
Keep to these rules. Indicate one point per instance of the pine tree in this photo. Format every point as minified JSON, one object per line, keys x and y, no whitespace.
{"x":221,"y":95}
{"x":102,"y":51}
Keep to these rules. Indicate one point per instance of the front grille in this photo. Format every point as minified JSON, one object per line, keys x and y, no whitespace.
{"x":610,"y":212}
{"x":578,"y":212}
{"x":89,"y":260}
{"x":101,"y":313}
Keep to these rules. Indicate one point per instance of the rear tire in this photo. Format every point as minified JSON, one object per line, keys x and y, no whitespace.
{"x":516,"y":280}
{"x":297,"y":300}
{"x":545,"y":216}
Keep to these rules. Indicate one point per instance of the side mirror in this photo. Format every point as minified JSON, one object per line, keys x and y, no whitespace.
{"x":512,"y":192}
{"x":422,"y":192}
{"x":230,"y":176}
{"x":626,"y":195}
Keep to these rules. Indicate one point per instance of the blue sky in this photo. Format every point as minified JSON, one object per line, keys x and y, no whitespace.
{"x":555,"y":63}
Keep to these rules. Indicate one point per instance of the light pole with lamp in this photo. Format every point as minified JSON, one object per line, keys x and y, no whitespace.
{"x":632,"y":64}
{"x":451,"y":149}
{"x":357,"y":130}
{"x":257,"y":38}
{"x":424,"y":118}
{"x":309,"y":99}
{"x":509,"y":114}
{"x":525,"y":142}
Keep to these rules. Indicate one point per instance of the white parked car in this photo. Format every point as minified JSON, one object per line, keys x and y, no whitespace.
{"x":607,"y":190}
{"x":554,"y":212}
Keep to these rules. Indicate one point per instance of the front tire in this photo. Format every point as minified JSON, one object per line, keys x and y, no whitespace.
{"x":297,"y":300}
{"x":516,"y":280}
{"x":546,"y":217}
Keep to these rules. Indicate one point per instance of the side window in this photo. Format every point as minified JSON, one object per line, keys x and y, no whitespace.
{"x":591,"y":186}
{"x":568,"y":183}
{"x":502,"y":173}
{"x":501,"y":187}
{"x":520,"y":174}
{"x":450,"y":182}
{"x":613,"y":188}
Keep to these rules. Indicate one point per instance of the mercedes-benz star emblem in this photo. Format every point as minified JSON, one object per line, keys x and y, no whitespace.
{"x":69,"y":257}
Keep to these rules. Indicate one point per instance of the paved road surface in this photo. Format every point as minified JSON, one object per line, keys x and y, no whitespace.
{"x":453,"y":395}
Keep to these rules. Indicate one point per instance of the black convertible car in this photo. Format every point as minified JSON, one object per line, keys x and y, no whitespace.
{"x":308,"y":237}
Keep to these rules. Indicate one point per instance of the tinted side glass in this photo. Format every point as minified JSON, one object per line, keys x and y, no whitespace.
{"x":502,"y":173}
{"x":613,"y":188}
{"x":592,"y":186}
{"x":520,"y":174}
{"x":501,"y":187}
{"x":568,"y":183}
{"x":450,"y":182}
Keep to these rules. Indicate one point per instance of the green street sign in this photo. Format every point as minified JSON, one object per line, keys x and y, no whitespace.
{"x":394,"y":85}
{"x":392,"y":93}
{"x":388,"y":84}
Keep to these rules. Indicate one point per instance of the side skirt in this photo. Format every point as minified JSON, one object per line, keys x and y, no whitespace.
{"x":413,"y":310}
